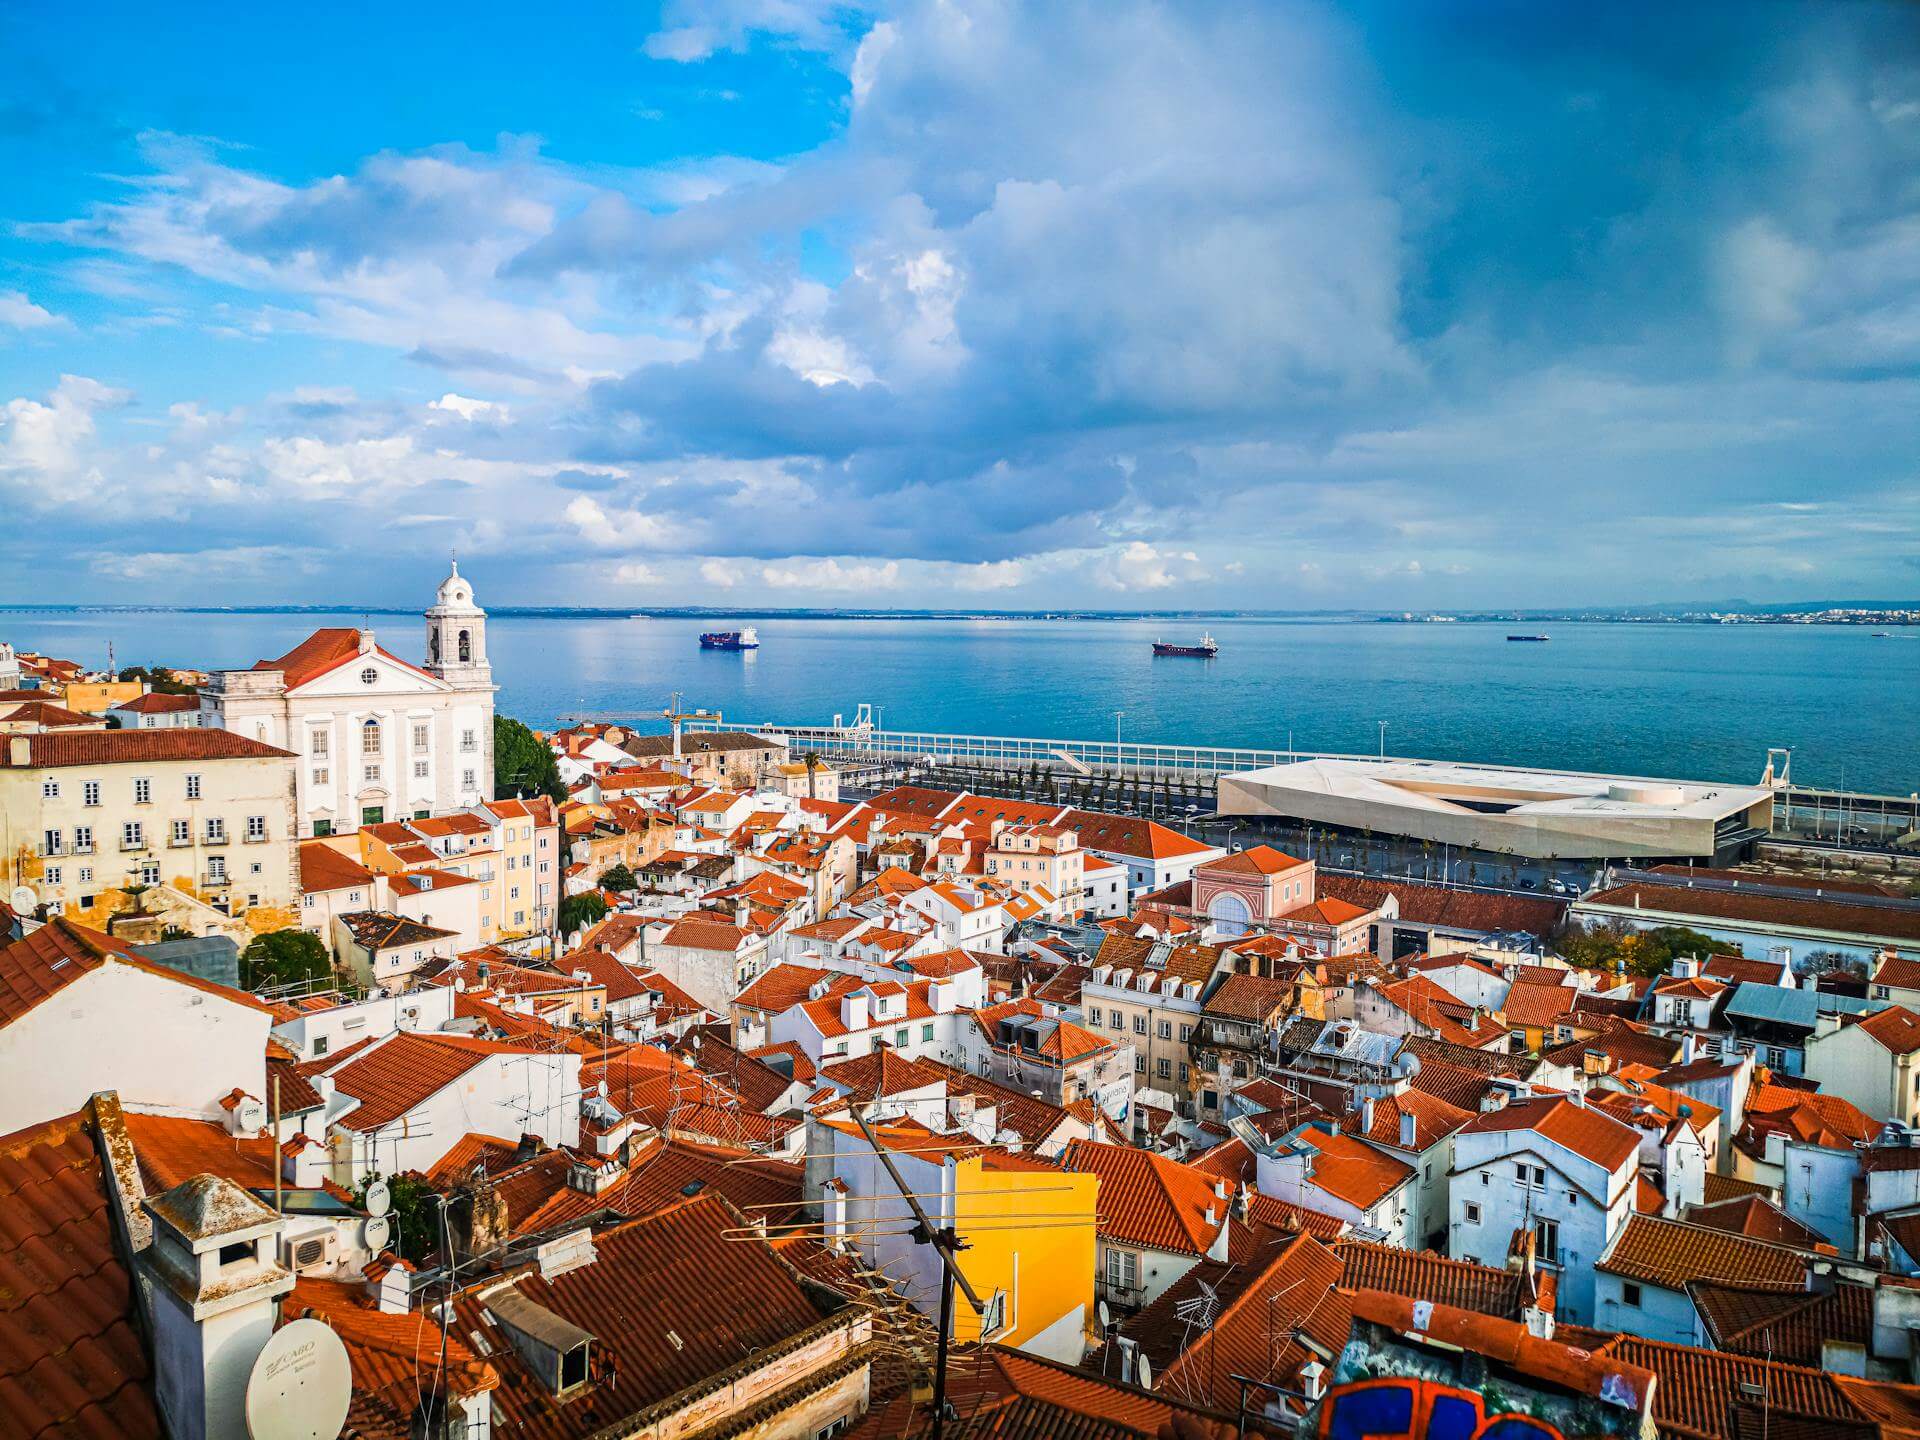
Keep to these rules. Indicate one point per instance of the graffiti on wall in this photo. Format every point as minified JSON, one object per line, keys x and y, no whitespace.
{"x":1412,"y":1409}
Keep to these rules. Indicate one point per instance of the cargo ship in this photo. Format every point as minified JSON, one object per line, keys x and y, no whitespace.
{"x":1205,"y":650}
{"x":1528,"y":639}
{"x":730,"y":640}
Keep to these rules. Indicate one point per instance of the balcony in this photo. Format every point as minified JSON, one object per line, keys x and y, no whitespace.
{"x":127,"y":845}
{"x":216,"y":837}
{"x":214,"y":880}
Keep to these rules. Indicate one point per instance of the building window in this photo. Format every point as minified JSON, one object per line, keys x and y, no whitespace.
{"x":926,"y":1034}
{"x":216,"y":830}
{"x":52,"y":875}
{"x":1531,"y":1177}
{"x":182,"y":832}
{"x":50,"y":843}
{"x":1546,"y":1234}
{"x":90,"y":793}
{"x":1210,"y":1099}
{"x":1186,"y":1034}
{"x":466,"y":779}
{"x":317,"y":744}
{"x":419,"y":769}
{"x":319,"y":777}
{"x":193,"y":787}
{"x":372,"y":814}
{"x":369,"y":676}
{"x":1472,"y":1212}
{"x":1163,"y":1067}
{"x":370,"y":738}
{"x":217,"y":869}
{"x":143,"y":792}
{"x":1116,"y":1020}
{"x":1630,"y":1295}
{"x":322,"y":827}
{"x":1139,"y":1063}
{"x":1166,"y":1029}
{"x":468,"y":744}
{"x":420,"y":737}
{"x":256,"y":828}
{"x":149,"y":872}
{"x":83,"y":839}
{"x":370,"y":774}
{"x":49,"y":789}
{"x":86,"y":874}
{"x":1123,"y":1270}
{"x":1139,"y":1024}
{"x":132,"y":835}
{"x":1183,"y":1072}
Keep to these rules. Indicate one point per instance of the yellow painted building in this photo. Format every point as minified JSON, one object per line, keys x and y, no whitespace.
{"x":96,"y":697}
{"x":1029,"y":1229}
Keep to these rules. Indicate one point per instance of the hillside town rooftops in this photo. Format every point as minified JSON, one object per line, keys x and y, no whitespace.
{"x":1670,"y":1253}
{"x":1585,"y":1131}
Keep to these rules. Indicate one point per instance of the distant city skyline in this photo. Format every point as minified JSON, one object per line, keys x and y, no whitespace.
{"x":767,"y":303}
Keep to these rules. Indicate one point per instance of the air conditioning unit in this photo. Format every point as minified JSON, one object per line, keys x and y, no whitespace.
{"x":309,"y":1251}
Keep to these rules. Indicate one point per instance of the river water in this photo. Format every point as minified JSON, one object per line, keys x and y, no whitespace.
{"x":1688,"y":701}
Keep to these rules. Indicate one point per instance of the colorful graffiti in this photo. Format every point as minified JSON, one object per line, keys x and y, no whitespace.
{"x":1404,"y":1409}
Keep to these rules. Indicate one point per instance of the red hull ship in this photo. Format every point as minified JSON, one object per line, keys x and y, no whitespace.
{"x":1205,"y":650}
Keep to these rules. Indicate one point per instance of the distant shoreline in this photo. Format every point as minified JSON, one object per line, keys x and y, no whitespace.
{"x":1851,"y":615}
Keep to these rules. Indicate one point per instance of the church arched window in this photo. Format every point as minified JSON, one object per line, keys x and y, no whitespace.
{"x":466,"y":647}
{"x":370,"y":738}
{"x":433,"y":646}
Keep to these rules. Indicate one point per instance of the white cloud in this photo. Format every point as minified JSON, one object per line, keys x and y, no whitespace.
{"x":181,"y":566}
{"x":617,"y":529}
{"x":632,"y":572}
{"x":832,"y":574}
{"x":1140,"y":566}
{"x":20,"y":313}
{"x":719,"y":574}
{"x":468,"y":409}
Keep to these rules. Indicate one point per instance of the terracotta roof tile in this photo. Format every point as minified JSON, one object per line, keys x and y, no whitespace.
{"x":1147,"y":1199}
{"x":324,"y":868}
{"x":40,"y":965}
{"x":1254,"y":860}
{"x":1896,"y":1028}
{"x":1804,"y":913}
{"x":71,"y":1361}
{"x":55,"y":749}
{"x":1353,"y":1171}
{"x":1669,"y":1253}
{"x":1422,"y":1275}
{"x":1698,"y":1389}
{"x":1585,"y":1131}
{"x":391,"y":1078}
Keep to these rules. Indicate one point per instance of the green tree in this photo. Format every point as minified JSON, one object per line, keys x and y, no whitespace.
{"x":577,"y":912}
{"x":618,"y":877}
{"x":283,"y":957}
{"x":523,"y":763}
{"x":415,"y":1215}
{"x":157,"y":678}
{"x":1641,"y":952}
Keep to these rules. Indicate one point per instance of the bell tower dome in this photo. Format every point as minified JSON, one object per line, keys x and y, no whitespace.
{"x":457,"y":635}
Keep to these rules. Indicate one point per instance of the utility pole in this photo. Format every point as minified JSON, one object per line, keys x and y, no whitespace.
{"x":1383,"y":739}
{"x":946,"y":1245}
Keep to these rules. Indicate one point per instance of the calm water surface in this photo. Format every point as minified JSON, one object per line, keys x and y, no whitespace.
{"x":1700,"y":702}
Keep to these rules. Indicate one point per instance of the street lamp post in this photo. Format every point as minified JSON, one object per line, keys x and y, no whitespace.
{"x":1383,"y":738}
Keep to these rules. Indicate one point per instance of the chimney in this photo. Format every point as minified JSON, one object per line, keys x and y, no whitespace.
{"x":1366,"y":1116}
{"x":366,"y":642}
{"x":1243,"y":1202}
{"x":1687,"y":1047}
{"x":1409,"y":1137}
{"x":1682,"y":967}
{"x":213,"y":1288}
{"x":1313,"y":1381}
{"x":20,"y":749}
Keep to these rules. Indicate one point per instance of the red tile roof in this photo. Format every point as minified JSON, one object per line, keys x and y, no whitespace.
{"x":671,"y":1302}
{"x":1896,"y":1028}
{"x":707,"y":934}
{"x":1739,"y":905}
{"x":1473,"y":910}
{"x":1585,"y":1131}
{"x":71,"y":1362}
{"x":58,"y":748}
{"x":390,"y":1354}
{"x":44,"y":963}
{"x":173,"y":1148}
{"x":1353,"y":1171}
{"x":1422,"y":1275}
{"x":1261,"y":1332}
{"x":1254,"y":860}
{"x":1698,"y":1390}
{"x":1150,"y":1200}
{"x":1130,"y":835}
{"x":324,"y":868}
{"x":326,"y":649}
{"x":1669,"y":1253}
{"x":393,"y":1077}
{"x":156,"y":702}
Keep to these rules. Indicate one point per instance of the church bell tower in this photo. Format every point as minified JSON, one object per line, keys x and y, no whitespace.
{"x":457,"y":635}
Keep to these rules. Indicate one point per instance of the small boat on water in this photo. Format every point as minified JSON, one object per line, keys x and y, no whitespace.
{"x":1528,"y":639}
{"x":1205,"y":650}
{"x":745,"y":639}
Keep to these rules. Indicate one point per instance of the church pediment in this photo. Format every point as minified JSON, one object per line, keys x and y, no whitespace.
{"x":375,"y":675}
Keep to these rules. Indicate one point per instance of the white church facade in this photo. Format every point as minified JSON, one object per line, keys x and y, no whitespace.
{"x":377,"y":737}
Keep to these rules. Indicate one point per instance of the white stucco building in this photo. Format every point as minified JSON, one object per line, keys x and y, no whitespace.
{"x":378,"y":738}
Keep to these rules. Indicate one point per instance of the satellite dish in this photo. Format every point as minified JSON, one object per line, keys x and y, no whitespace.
{"x":376,"y":1232}
{"x":300,"y":1386}
{"x":379,"y":1198}
{"x":251,"y":1115}
{"x":21,"y":900}
{"x":1145,"y":1373}
{"x":1105,"y":1323}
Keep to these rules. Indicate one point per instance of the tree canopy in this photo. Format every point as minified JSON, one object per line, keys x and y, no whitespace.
{"x":158,"y":679}
{"x":283,"y":957}
{"x":523,"y":763}
{"x":577,"y":912}
{"x":1643,"y":952}
{"x":618,"y":877}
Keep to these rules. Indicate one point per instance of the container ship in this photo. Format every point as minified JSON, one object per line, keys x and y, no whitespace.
{"x":1205,"y":650}
{"x":1528,"y":639}
{"x":730,"y":640}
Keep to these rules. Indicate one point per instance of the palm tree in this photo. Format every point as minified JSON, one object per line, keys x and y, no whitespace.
{"x":812,"y":759}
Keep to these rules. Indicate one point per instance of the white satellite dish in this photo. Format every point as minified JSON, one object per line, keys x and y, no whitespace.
{"x":376,"y":1232}
{"x":251,"y":1115}
{"x":301,"y":1385}
{"x":379,"y":1198}
{"x":20,"y":900}
{"x":1105,"y":1323}
{"x":1144,"y":1373}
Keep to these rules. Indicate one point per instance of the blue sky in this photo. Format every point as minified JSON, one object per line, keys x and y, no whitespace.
{"x":1117,"y":304}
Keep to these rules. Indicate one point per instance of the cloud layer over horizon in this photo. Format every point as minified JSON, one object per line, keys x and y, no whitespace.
{"x":985,"y":304}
